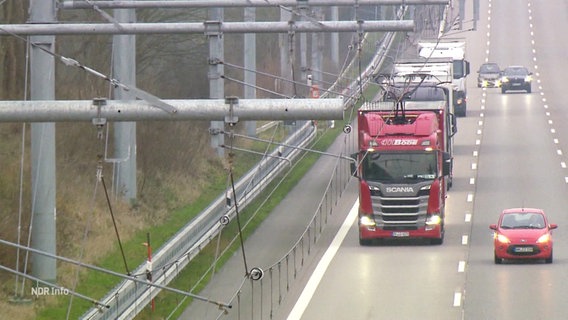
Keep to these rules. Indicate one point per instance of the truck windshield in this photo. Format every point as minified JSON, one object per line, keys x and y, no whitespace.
{"x":381,"y":166}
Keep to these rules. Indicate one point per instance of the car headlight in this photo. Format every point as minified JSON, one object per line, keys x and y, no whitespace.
{"x":433,"y":220}
{"x":528,"y":79}
{"x":367,"y":221}
{"x":504,"y":79}
{"x":501,"y":238}
{"x":545,"y":238}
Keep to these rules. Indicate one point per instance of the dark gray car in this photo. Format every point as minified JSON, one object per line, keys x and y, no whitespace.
{"x":516,"y":78}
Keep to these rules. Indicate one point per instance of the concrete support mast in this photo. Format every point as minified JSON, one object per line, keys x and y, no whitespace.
{"x":124,"y":68}
{"x":250,"y":66}
{"x":42,"y":86}
{"x":216,"y":70}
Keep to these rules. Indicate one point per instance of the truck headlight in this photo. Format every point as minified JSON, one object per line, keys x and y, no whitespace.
{"x":367,"y":221}
{"x":433,"y":220}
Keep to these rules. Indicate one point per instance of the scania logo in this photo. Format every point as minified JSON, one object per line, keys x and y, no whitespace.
{"x":399,"y":189}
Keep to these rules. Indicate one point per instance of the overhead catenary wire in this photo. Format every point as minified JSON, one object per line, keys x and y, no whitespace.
{"x":116,"y":274}
{"x":291,"y":146}
{"x":34,"y":194}
{"x":300,"y":83}
{"x":256,"y":87}
{"x":105,"y":15}
{"x":61,"y":289}
{"x":280,"y":78}
{"x":230,"y":242}
{"x":88,"y":222}
{"x":138,"y":93}
{"x":237,"y":215}
{"x":114,"y":224}
{"x":99,"y":167}
{"x":21,"y":181}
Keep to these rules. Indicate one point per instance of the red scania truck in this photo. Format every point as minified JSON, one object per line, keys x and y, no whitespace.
{"x":402,"y":168}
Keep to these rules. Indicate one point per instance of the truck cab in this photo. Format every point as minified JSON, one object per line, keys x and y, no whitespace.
{"x":402,"y":169}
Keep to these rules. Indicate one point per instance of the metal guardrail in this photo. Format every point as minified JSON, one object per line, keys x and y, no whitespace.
{"x":127,"y":298}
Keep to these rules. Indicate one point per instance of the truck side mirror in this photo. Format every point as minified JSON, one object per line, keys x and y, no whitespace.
{"x":453,"y":125}
{"x":466,"y":67}
{"x":446,"y":164}
{"x":354,"y":165}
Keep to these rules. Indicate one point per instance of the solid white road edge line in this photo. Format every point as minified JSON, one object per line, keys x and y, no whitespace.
{"x":316,"y":277}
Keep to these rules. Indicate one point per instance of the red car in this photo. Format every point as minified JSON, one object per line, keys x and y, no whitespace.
{"x":523,"y":233}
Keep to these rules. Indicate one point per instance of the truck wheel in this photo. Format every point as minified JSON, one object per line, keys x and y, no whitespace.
{"x":365,"y":242}
{"x":437,"y":241}
{"x":440,"y":240}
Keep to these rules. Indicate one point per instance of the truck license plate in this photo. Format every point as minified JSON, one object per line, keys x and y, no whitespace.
{"x":400,"y":234}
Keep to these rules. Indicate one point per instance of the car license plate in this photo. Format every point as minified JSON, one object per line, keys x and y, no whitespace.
{"x":400,"y":234}
{"x":523,"y":249}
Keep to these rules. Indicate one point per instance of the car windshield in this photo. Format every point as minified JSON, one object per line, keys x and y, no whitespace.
{"x":489,"y":68}
{"x":516,"y":72}
{"x":380,"y":166}
{"x":523,"y":220}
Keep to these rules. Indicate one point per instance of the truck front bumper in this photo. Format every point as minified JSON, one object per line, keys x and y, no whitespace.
{"x":374,"y":232}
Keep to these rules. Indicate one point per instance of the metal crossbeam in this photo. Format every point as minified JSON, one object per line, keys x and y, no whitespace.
{"x":209,"y":109}
{"x":117,"y":4}
{"x":205,"y":27}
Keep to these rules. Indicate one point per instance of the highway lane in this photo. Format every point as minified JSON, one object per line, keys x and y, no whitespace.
{"x":510,"y":152}
{"x":410,"y":280}
{"x":520,"y":164}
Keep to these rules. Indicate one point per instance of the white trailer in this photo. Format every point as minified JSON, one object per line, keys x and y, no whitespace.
{"x":456,"y":50}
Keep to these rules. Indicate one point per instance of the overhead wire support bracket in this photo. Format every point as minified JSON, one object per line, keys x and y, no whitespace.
{"x":231,"y":119}
{"x":213,"y":28}
{"x":99,"y":121}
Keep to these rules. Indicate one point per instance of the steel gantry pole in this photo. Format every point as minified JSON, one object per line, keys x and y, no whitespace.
{"x":124,"y":68}
{"x":42,"y":87}
{"x":287,"y":56}
{"x":250,"y":66}
{"x":216,"y":70}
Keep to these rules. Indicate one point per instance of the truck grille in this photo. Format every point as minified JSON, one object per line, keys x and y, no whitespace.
{"x":400,"y":212}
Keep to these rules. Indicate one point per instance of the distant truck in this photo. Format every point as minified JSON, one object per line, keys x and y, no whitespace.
{"x":402,"y":172}
{"x":456,"y":50}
